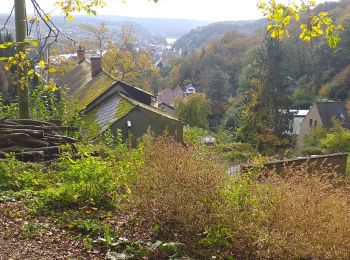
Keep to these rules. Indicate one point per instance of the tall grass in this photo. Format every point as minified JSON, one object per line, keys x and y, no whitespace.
{"x":310,"y":220}
{"x":296,"y":215}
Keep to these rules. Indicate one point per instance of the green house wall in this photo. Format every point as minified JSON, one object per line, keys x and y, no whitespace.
{"x":142,"y":120}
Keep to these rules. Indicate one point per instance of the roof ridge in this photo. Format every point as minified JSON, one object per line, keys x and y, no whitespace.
{"x":141,"y":89}
{"x":109,"y":74}
{"x":123,"y":82}
{"x":150,"y":108}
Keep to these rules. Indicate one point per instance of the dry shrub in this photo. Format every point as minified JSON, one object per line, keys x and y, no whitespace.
{"x":291,"y":215}
{"x":177,"y":189}
{"x":311,"y":219}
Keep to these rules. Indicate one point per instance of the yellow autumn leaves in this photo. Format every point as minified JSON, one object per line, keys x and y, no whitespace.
{"x":317,"y":25}
{"x":23,"y":71}
{"x":70,"y":6}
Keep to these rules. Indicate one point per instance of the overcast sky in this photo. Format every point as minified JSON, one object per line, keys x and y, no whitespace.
{"x":212,"y":10}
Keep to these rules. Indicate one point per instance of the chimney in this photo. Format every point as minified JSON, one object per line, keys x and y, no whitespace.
{"x":96,"y":65}
{"x":80,"y":54}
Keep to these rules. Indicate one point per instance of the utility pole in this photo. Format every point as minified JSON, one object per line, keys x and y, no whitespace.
{"x":20,"y":17}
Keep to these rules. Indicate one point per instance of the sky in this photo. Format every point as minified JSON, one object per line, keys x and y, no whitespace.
{"x":207,"y":10}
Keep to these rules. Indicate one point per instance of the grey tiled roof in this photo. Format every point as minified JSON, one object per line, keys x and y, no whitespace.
{"x":328,"y":110}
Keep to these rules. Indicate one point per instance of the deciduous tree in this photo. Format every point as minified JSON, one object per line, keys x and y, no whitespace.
{"x":100,"y":32}
{"x":128,"y":64}
{"x":194,"y":110}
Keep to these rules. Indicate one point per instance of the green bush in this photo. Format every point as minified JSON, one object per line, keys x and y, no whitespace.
{"x":311,"y":150}
{"x":194,"y":135}
{"x":235,"y":152}
{"x":338,"y":140}
{"x":88,"y":180}
{"x":99,"y":181}
{"x":333,"y":140}
{"x":8,"y":110}
{"x":17,"y":176}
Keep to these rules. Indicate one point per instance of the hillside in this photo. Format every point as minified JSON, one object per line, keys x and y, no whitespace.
{"x":145,"y":28}
{"x":141,"y":33}
{"x":161,"y":27}
{"x":200,"y":36}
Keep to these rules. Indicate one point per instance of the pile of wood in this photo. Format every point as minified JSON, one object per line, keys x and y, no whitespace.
{"x":33,"y":141}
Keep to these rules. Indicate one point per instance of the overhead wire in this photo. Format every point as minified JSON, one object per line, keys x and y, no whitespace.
{"x":8,"y":19}
{"x":54,"y":31}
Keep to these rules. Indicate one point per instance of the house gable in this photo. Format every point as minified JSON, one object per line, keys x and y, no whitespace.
{"x":101,"y":116}
{"x":123,"y":88}
{"x":116,"y":109}
{"x":144,"y":120}
{"x":311,"y":120}
{"x":321,"y":114}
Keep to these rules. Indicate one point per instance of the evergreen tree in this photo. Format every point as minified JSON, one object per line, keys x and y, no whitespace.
{"x":266,"y":118}
{"x":217,"y":84}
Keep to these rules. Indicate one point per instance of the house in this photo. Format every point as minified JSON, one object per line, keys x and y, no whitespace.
{"x":321,"y":114}
{"x":116,"y":111}
{"x":110,"y":103}
{"x":168,"y":96}
{"x":298,"y":117}
{"x":190,"y":89}
{"x":170,"y":110}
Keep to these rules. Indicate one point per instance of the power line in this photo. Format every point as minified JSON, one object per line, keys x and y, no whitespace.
{"x":8,"y":19}
{"x":54,"y":31}
{"x":40,"y":10}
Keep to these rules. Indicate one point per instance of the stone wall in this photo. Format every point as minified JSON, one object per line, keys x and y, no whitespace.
{"x":331,"y":163}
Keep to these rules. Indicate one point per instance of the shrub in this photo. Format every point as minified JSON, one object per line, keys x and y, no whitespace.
{"x":244,"y":210}
{"x":177,"y":189}
{"x":81,"y":182}
{"x":333,"y":140}
{"x":310,"y":220}
{"x":338,"y":140}
{"x":312,"y":150}
{"x":236,"y":152}
{"x":194,"y":135}
{"x":8,"y":110}
{"x":186,"y":197}
{"x":92,"y":181}
{"x":17,"y":176}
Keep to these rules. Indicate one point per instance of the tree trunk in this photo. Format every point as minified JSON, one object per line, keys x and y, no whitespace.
{"x":20,"y":17}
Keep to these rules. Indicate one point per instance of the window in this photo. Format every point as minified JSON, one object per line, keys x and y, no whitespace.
{"x":315,"y":123}
{"x":310,"y":124}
